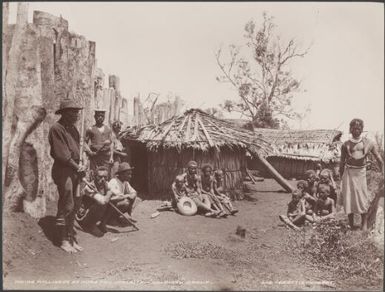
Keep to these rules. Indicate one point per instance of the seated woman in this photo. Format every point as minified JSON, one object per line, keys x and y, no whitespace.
{"x":219,"y":191}
{"x":207,"y":181}
{"x":194,"y":189}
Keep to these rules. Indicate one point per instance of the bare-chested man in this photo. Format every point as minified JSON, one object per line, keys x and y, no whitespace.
{"x":354,"y":192}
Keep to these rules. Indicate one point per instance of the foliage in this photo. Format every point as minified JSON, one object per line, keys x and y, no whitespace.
{"x":264,"y":82}
{"x":350,"y":256}
{"x":199,"y":250}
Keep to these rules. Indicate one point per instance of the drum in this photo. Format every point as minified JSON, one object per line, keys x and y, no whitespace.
{"x":187,"y":207}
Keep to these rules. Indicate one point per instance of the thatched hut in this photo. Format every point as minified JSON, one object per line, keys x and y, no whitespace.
{"x":160,"y":152}
{"x":295,"y":151}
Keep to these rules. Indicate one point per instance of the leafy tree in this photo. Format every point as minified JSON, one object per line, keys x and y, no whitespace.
{"x":264,"y":82}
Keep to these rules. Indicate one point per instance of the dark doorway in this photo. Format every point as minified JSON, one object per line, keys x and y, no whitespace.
{"x":139,"y":162}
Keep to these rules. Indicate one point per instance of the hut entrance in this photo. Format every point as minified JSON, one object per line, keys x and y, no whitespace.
{"x":140,"y":172}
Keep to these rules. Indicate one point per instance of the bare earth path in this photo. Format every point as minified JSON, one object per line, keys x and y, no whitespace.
{"x":152,"y":258}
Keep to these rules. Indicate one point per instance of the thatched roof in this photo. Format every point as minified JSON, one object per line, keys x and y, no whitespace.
{"x":198,"y":130}
{"x":322,"y":145}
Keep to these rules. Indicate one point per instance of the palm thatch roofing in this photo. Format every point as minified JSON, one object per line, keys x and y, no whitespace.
{"x":322,"y":145}
{"x":198,"y":130}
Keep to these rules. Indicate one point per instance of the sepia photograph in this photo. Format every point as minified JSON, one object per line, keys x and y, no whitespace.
{"x":210,"y":146}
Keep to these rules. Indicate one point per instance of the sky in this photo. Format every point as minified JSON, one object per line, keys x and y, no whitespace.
{"x":170,"y":47}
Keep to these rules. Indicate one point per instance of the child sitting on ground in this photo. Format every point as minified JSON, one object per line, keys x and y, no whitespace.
{"x":325,"y":206}
{"x":296,"y":211}
{"x":179,"y":190}
{"x":311,"y":179}
{"x":326,"y":177}
{"x":220,"y":192}
{"x":310,"y":201}
{"x":207,"y":181}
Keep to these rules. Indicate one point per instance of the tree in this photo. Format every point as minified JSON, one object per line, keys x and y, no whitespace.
{"x":214,"y":111}
{"x":264,"y":82}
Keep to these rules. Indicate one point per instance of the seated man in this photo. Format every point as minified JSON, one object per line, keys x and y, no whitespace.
{"x":94,"y":202}
{"x":325,"y":206}
{"x":123,"y":194}
{"x":194,"y":189}
{"x":219,"y":191}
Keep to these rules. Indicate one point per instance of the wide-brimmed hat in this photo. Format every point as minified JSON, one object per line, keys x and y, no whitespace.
{"x":100,"y":110}
{"x":67,"y":103}
{"x":123,"y":167}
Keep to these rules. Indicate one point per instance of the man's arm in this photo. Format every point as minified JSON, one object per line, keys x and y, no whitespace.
{"x":175,"y":192}
{"x":343,"y":160}
{"x":378,"y":157}
{"x":87,"y":139}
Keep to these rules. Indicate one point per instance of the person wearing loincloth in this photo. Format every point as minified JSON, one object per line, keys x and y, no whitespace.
{"x":354,"y":190}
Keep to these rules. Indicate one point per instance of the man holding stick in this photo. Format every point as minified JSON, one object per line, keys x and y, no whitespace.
{"x":67,"y":171}
{"x":123,"y":195}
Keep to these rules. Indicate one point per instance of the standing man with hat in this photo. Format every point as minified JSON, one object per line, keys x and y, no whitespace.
{"x":123,"y":194}
{"x":101,"y":148}
{"x":67,"y":171}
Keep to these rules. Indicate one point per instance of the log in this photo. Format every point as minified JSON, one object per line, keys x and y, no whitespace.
{"x":275,"y":174}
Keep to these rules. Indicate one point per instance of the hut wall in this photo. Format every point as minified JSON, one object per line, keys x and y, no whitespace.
{"x":287,"y":167}
{"x":164,"y":165}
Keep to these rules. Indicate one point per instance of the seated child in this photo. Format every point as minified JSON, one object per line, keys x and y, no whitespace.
{"x":220,"y":192}
{"x":207,"y":181}
{"x":325,"y":206}
{"x":318,"y":169}
{"x":194,"y":189}
{"x":179,"y":190}
{"x":311,"y":179}
{"x":296,"y":211}
{"x":326,"y":177}
{"x":310,"y":201}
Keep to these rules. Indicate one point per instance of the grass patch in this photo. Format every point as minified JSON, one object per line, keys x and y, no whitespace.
{"x":351,"y":257}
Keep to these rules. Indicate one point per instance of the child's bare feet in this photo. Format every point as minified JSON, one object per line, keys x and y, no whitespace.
{"x":234,"y":211}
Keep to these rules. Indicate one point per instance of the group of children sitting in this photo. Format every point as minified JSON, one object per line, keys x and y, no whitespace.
{"x":314,"y":199}
{"x":206,"y":190}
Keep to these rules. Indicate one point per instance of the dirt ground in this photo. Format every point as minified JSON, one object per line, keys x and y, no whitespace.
{"x":169,"y":252}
